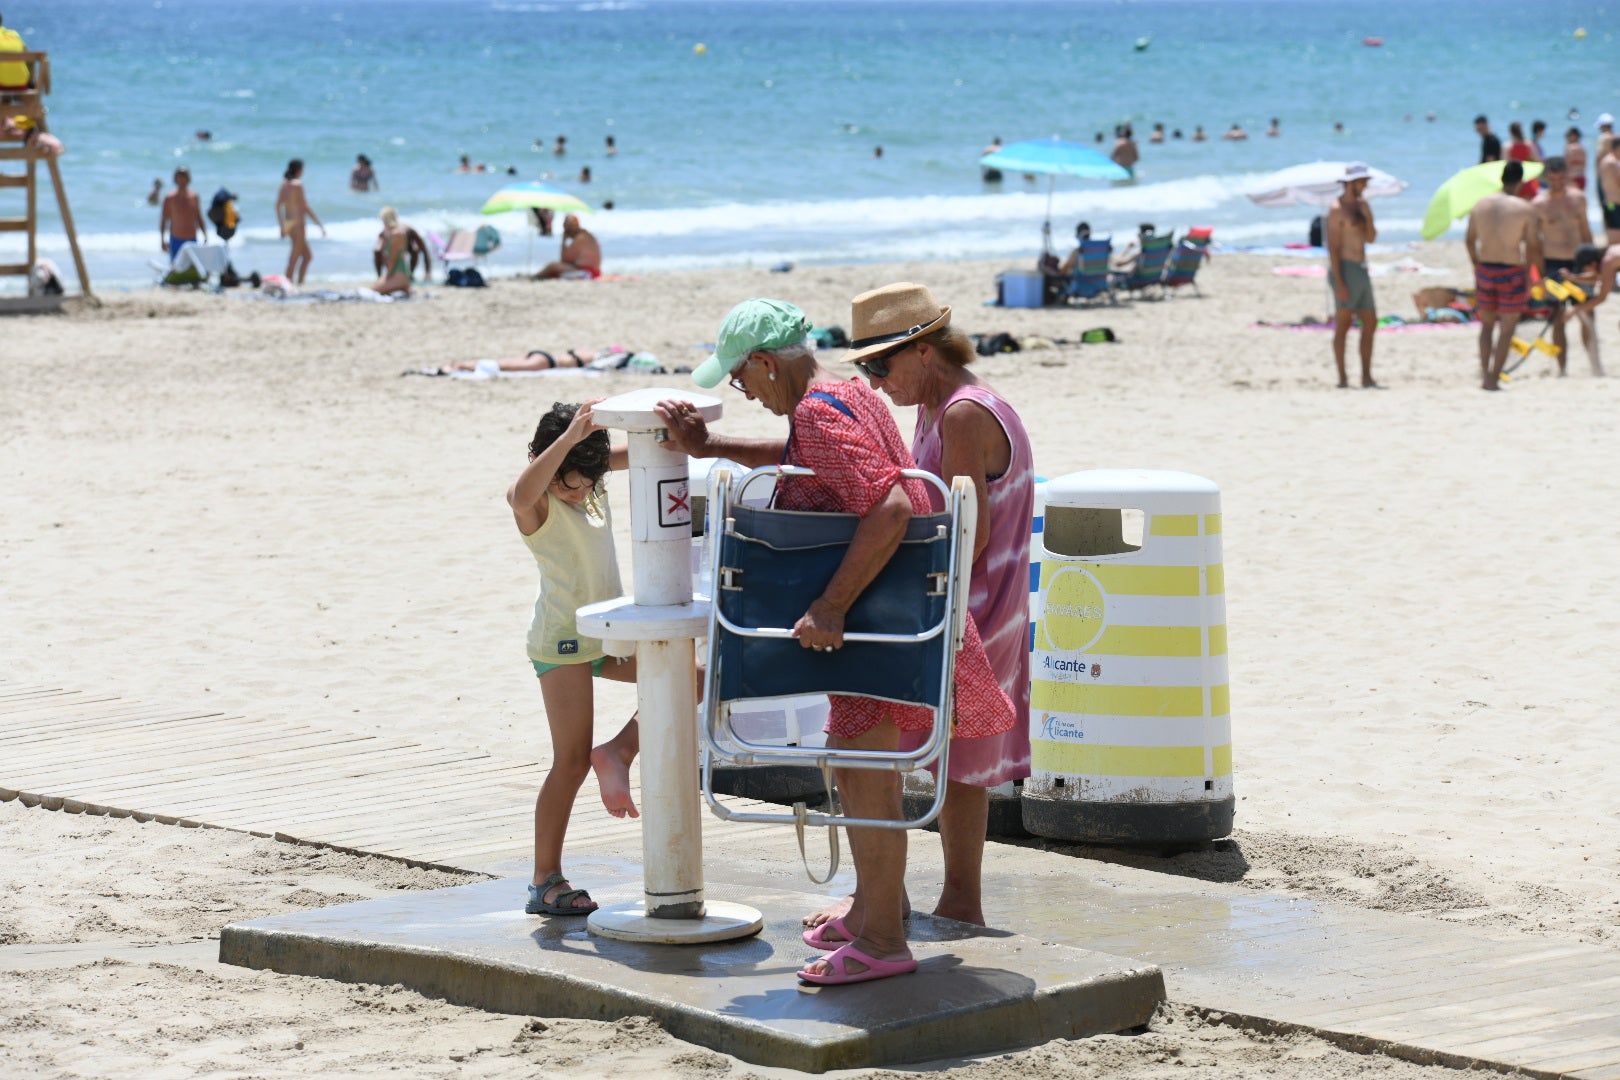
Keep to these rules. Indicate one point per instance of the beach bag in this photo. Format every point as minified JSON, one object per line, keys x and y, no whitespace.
{"x":991,"y":344}
{"x":222,"y":212}
{"x":1097,"y":337}
{"x":830,"y":337}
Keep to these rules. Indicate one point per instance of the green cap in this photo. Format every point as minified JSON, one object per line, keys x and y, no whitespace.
{"x":752,"y":324}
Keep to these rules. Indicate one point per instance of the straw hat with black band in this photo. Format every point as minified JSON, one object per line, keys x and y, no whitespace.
{"x":886,"y":318}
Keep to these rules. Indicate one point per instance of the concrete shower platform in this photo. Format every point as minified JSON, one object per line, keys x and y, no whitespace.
{"x":976,"y":991}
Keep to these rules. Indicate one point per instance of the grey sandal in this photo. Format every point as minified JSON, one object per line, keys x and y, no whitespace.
{"x":562,"y":903}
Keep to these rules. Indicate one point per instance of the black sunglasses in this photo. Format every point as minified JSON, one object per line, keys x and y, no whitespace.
{"x":878,"y":366}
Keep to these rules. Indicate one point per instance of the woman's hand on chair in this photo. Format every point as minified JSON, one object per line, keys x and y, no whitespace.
{"x":821,"y":628}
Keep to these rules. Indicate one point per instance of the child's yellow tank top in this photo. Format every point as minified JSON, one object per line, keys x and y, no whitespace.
{"x":578,"y":566}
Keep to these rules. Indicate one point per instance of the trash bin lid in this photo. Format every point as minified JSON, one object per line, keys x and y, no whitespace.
{"x":1152,"y":490}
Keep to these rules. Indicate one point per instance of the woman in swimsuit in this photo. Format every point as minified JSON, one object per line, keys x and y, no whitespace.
{"x":396,"y":277}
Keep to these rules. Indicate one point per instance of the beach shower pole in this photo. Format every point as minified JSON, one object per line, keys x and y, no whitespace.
{"x":664,"y":620}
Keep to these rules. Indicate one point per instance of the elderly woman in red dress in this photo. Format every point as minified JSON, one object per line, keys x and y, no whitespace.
{"x":841,"y":429}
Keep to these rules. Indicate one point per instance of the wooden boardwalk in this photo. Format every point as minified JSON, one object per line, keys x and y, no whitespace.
{"x":1416,"y":988}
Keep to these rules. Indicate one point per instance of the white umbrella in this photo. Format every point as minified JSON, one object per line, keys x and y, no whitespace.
{"x":1317,"y":184}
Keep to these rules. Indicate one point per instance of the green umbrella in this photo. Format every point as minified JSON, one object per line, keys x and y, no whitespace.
{"x":1458,"y":195}
{"x":532,"y":194}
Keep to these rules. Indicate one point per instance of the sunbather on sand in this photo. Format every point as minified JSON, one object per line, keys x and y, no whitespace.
{"x":533,"y":360}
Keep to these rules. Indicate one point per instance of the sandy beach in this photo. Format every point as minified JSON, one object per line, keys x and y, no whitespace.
{"x":210,"y":500}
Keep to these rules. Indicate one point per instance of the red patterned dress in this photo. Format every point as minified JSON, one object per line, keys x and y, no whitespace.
{"x":857,"y":458}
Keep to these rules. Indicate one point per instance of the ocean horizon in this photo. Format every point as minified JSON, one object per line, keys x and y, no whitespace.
{"x":747,"y":129}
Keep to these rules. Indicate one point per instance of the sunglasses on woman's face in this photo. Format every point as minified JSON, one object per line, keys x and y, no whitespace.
{"x":878,"y":366}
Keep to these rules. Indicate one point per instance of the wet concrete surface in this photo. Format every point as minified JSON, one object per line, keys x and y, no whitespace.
{"x":975,"y":991}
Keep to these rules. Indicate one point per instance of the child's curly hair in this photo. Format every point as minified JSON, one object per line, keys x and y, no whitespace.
{"x":590,"y":457}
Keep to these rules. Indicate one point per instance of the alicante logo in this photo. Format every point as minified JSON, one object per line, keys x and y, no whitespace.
{"x":1074,"y":610}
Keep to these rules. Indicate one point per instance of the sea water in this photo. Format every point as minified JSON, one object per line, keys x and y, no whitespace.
{"x":758,"y":147}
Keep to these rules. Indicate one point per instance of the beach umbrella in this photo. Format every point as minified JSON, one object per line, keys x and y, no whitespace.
{"x":1318,"y":183}
{"x":1458,"y":195}
{"x":533,"y":195}
{"x":1053,"y":158}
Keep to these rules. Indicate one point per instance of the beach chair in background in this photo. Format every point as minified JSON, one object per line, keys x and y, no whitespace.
{"x":1189,"y":254}
{"x":1148,"y":273}
{"x":194,"y":264}
{"x":466,"y":245}
{"x":1090,"y":279}
{"x":900,"y":642}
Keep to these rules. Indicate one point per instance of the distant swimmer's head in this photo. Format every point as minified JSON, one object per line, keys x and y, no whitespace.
{"x":1512,"y":174}
{"x":390,"y":217}
{"x":295,"y":169}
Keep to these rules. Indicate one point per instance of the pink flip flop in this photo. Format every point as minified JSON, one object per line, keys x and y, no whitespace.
{"x":816,"y":936}
{"x":842,"y":976}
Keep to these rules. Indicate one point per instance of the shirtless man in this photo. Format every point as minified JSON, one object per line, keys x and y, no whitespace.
{"x":1350,"y":229}
{"x":1125,"y":154}
{"x":1595,"y":269}
{"x":182,"y":217}
{"x":1502,"y":245}
{"x":580,"y":251}
{"x":291,"y":210}
{"x":1608,"y":171}
{"x":1561,"y":227}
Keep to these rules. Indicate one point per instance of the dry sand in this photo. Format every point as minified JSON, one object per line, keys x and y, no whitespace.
{"x":213,"y":500}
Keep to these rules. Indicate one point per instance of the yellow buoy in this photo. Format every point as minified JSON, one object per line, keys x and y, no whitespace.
{"x":699,"y":49}
{"x":1580,"y":33}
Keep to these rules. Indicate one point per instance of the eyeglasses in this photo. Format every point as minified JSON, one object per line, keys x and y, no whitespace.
{"x":878,"y":366}
{"x":736,"y":378}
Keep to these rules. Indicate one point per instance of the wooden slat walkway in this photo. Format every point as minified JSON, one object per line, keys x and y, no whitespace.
{"x":1416,"y":988}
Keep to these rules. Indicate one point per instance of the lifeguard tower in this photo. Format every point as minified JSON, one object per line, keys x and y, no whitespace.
{"x":22,"y":122}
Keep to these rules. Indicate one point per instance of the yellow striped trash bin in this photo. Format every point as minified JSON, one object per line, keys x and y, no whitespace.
{"x":1130,"y":726}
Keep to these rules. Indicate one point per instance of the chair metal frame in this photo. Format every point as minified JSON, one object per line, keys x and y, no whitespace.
{"x":962,"y":507}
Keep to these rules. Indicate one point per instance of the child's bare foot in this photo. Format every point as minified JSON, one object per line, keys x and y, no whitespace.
{"x":612,"y":768}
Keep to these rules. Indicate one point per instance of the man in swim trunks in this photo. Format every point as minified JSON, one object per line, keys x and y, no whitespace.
{"x":580,"y":253}
{"x":1502,"y":245}
{"x":1561,"y":227}
{"x":182,"y":217}
{"x":1350,"y":229}
{"x":1608,"y":170}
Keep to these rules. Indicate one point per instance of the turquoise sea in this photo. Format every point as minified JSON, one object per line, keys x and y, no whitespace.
{"x":758,"y":148}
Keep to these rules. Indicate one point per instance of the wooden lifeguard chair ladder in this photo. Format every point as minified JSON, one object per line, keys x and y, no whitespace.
{"x":29,"y":103}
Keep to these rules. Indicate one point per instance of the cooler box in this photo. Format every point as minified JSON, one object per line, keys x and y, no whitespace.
{"x":1021,"y":289}
{"x":1130,"y":726}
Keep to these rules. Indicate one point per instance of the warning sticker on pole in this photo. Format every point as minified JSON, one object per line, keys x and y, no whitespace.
{"x":674,"y":503}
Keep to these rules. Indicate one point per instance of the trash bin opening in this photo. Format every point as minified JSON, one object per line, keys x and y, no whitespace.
{"x":1085,"y":530}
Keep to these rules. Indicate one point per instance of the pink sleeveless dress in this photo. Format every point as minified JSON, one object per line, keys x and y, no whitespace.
{"x":999,"y":596}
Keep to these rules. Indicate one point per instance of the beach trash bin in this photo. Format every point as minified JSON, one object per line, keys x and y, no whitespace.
{"x":1130,"y":726}
{"x":1020,"y":289}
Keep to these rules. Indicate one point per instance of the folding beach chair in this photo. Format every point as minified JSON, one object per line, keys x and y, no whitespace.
{"x":466,"y":244}
{"x":1149,"y":270}
{"x":1188,"y":256}
{"x":1089,"y":278}
{"x":900,"y":640}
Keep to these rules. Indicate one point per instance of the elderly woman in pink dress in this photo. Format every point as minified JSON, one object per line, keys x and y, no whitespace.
{"x":905,"y":344}
{"x":843,"y":431}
